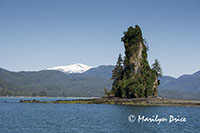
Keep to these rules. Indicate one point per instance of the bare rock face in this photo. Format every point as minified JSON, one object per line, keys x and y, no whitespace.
{"x":136,"y":58}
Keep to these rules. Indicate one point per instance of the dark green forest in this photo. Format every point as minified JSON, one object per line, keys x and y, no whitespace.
{"x":51,"y":83}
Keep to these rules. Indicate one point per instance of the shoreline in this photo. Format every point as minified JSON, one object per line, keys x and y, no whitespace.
{"x":125,"y":101}
{"x":42,"y":97}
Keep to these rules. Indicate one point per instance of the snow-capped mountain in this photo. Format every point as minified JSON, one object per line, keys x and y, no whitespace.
{"x":74,"y":68}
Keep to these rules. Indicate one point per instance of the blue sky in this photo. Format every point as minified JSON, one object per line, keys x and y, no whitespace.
{"x":37,"y":34}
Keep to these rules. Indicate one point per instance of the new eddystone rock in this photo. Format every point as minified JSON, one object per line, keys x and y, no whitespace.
{"x":133,"y":77}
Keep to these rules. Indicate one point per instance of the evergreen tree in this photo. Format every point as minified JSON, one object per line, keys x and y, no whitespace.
{"x":146,"y":44}
{"x":117,"y":72}
{"x":43,"y":93}
{"x":117,"y":77}
{"x":156,"y":67}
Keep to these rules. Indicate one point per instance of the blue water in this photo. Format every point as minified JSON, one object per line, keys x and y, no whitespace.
{"x":90,"y":118}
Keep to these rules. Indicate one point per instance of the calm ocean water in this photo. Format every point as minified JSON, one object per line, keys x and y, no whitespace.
{"x":90,"y":118}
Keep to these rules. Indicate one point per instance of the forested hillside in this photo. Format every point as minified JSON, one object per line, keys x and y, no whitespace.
{"x":51,"y":83}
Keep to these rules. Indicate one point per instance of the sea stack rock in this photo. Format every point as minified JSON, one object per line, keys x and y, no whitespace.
{"x":133,"y":77}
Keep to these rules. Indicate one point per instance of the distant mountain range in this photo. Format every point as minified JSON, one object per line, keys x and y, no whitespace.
{"x":56,"y":83}
{"x":83,"y":80}
{"x":184,"y":87}
{"x":185,"y":82}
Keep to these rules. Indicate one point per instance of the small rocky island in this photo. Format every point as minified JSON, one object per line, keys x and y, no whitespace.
{"x":133,"y":77}
{"x":134,"y":81}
